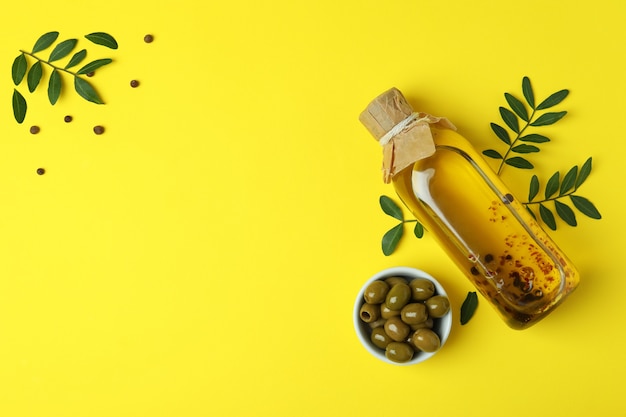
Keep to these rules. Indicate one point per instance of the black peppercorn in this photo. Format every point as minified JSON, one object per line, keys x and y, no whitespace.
{"x":134,"y":83}
{"x":98,"y":130}
{"x":148,"y":38}
{"x":34,"y":130}
{"x":90,"y":74}
{"x":67,"y":119}
{"x":41,"y":171}
{"x":488,"y":258}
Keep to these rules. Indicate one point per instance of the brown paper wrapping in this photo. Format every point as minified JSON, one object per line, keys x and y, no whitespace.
{"x":409,"y":145}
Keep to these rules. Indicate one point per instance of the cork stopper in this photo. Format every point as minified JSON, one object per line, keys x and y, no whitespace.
{"x":384,"y":112}
{"x":404,"y":135}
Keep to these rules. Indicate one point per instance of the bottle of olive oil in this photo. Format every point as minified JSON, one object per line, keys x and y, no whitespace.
{"x":484,"y":229}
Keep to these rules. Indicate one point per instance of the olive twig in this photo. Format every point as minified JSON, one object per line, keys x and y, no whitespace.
{"x":392,"y":237}
{"x":519,"y":111}
{"x":556,"y":190}
{"x":34,"y":73}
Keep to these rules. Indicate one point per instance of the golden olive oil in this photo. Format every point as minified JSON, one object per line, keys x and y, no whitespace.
{"x":490,"y":236}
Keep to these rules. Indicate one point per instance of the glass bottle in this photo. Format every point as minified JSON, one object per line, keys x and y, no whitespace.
{"x":458,"y":198}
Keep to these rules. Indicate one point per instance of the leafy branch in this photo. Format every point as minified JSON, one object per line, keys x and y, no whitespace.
{"x":518,"y":119}
{"x":392,"y":237}
{"x":557,"y":190}
{"x":20,"y":69}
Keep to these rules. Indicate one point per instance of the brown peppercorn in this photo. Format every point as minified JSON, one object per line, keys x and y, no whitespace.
{"x":90,"y":74}
{"x":68,"y":119}
{"x":148,"y":38}
{"x":98,"y":130}
{"x":34,"y":130}
{"x":134,"y":83}
{"x":41,"y":171}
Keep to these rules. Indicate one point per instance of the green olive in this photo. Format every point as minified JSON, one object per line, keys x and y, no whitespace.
{"x":377,"y":323}
{"x":386,"y":313}
{"x":391,"y":281}
{"x":397,"y":329}
{"x":438,"y":306}
{"x":398,"y":296}
{"x":376,"y":292}
{"x":414,"y":313}
{"x":380,"y":338}
{"x":399,"y":352}
{"x":422,"y":289}
{"x":369,"y":312}
{"x":425,"y":340}
{"x":427,"y":324}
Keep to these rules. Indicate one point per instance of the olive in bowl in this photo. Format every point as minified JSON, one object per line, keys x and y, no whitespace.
{"x":402,"y":316}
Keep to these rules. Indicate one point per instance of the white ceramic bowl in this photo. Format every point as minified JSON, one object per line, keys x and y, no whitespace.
{"x":441,"y":326}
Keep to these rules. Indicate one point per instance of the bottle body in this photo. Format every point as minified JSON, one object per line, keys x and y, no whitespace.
{"x":490,"y":236}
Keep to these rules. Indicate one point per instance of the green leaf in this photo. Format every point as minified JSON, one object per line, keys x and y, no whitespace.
{"x":585,"y":170}
{"x":535,"y":138}
{"x":34,"y":76}
{"x":517,"y":106}
{"x":390,"y":207}
{"x":569,"y":180}
{"x":525,"y":149}
{"x":534,"y":188}
{"x":18,"y":71}
{"x":45,"y":41}
{"x":103,"y":39}
{"x":585,"y":206}
{"x":527,"y":89}
{"x":418,"y":230}
{"x":392,"y":238}
{"x":19,"y":106}
{"x":62,"y":49}
{"x":468,"y":307}
{"x":553,"y":185}
{"x":510,"y":119}
{"x":548,"y":118}
{"x":501,"y":133}
{"x":519,"y":162}
{"x":54,"y":87}
{"x":94,"y":65}
{"x":553,"y":100}
{"x":86,"y":91}
{"x":77,"y":58}
{"x":565,"y":212}
{"x":491,"y":153}
{"x":547,"y":216}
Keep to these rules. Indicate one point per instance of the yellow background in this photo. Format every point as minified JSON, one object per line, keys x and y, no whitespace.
{"x":201,"y":258}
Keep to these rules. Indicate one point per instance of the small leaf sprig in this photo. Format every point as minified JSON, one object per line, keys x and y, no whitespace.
{"x":518,"y":118}
{"x":392,"y":237}
{"x":556,"y":190}
{"x":34,"y":75}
